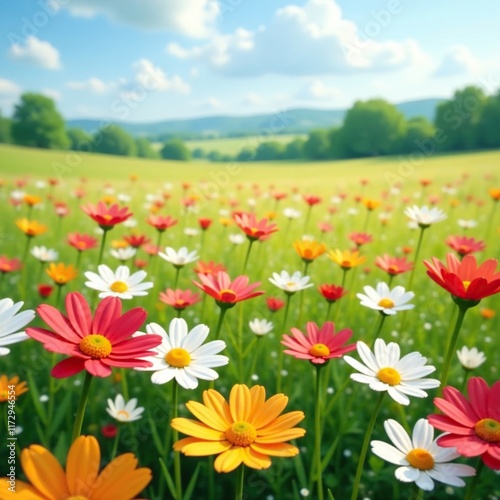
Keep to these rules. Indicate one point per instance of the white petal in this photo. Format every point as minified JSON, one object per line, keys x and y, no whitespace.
{"x":195,"y":338}
{"x":425,"y":482}
{"x":398,"y":396}
{"x":423,"y":434}
{"x":163,"y":376}
{"x":388,"y":453}
{"x":186,"y":380}
{"x":399,"y":437}
{"x":407,"y":474}
{"x":367,"y":356}
{"x":359,"y":366}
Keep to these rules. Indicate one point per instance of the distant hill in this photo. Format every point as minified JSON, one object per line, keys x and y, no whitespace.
{"x":292,"y":121}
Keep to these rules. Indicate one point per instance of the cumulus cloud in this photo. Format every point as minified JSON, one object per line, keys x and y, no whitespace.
{"x":318,"y":90}
{"x":154,"y":78}
{"x":36,"y":52}
{"x":93,"y":85}
{"x":211,"y":103}
{"x":458,"y":60}
{"x":193,"y":18}
{"x":310,"y":40}
{"x":52,"y":93}
{"x":8,"y":88}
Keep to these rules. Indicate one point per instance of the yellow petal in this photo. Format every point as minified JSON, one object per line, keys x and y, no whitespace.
{"x":255,"y":460}
{"x":23,"y":491}
{"x":208,"y":416}
{"x":120,"y":479}
{"x":204,"y":448}
{"x":283,"y":422}
{"x":276,"y":449}
{"x":269,"y":410}
{"x":196,"y":429}
{"x":215,"y":401}
{"x":258,"y":394}
{"x":44,"y":472}
{"x":82,"y":465}
{"x":240,"y":403}
{"x":280,"y":437}
{"x":229,"y":460}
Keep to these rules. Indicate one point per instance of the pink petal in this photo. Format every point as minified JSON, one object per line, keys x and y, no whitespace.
{"x":494,"y":401}
{"x":313,"y":333}
{"x":97,"y":368}
{"x":53,"y":342}
{"x":123,"y":327}
{"x":490,"y":461}
{"x":137,"y":345}
{"x":478,"y":392}
{"x":108,"y":310}
{"x":446,"y":424}
{"x":68,"y":367}
{"x":128,"y":363}
{"x":58,"y":322}
{"x":468,"y":446}
{"x":79,"y":313}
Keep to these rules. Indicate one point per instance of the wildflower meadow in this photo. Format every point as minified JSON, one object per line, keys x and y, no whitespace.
{"x":294,"y":332}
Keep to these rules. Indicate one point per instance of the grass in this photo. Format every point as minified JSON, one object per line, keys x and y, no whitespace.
{"x":219,"y":189}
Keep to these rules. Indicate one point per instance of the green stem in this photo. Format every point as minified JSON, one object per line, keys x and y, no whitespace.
{"x":80,"y":412}
{"x":328,"y":310}
{"x":124,"y":384}
{"x":52,"y":392}
{"x":365,"y":225}
{"x":280,"y":352}
{"x":78,"y":258}
{"x":247,"y":256}
{"x":308,"y":216}
{"x":318,"y":433}
{"x":58,"y":296}
{"x":417,"y":251}
{"x":175,"y":435}
{"x":469,"y":495}
{"x":416,"y":492}
{"x":115,"y":444}
{"x":103,"y":242}
{"x":451,"y":347}
{"x":219,"y":322}
{"x":378,"y":329}
{"x":240,"y":476}
{"x":176,"y":280}
{"x":466,"y":377}
{"x":364,"y":448}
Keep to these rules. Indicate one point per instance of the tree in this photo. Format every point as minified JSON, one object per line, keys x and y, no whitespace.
{"x":37,"y":123}
{"x":5,"y":135}
{"x":269,"y":151}
{"x":198,"y":153}
{"x":488,"y":131}
{"x":246,"y":154}
{"x":418,"y":131}
{"x":175,"y":149}
{"x":79,"y":140}
{"x":145,"y":148}
{"x":456,"y":120}
{"x":214,"y":155}
{"x":317,"y":145}
{"x":294,"y":149}
{"x":114,"y":141}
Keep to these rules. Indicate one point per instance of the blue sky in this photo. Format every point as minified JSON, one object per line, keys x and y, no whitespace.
{"x":151,"y":60}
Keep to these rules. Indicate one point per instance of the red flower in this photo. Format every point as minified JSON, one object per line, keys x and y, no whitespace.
{"x":360,"y":238}
{"x":137,"y":240}
{"x":279,"y":196}
{"x":464,"y":245}
{"x":151,"y":249}
{"x":319,"y":345}
{"x":82,"y":241}
{"x":253,"y":228}
{"x":106,"y":217}
{"x":94,"y":344}
{"x":226,"y":292}
{"x":205,"y":223}
{"x":312,"y":200}
{"x":61,"y":208}
{"x":464,"y":279}
{"x":472,"y":426}
{"x":9,"y":265}
{"x":332,"y":293}
{"x":274,"y":304}
{"x":209,"y":268}
{"x":45,"y":291}
{"x":161,"y":222}
{"x":393,"y":265}
{"x":140,"y":263}
{"x":109,"y":431}
{"x":179,"y":299}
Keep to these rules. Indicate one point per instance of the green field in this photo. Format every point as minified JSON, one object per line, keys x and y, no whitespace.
{"x":459,"y":186}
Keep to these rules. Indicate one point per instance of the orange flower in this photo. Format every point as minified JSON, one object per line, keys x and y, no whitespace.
{"x":247,"y":429}
{"x":346,"y":259}
{"x":61,"y":273}
{"x":9,"y":265}
{"x":309,"y":250}
{"x":6,"y":390}
{"x":370,"y":204}
{"x":32,"y":199}
{"x":487,"y":313}
{"x":31,"y":227}
{"x":494,"y":193}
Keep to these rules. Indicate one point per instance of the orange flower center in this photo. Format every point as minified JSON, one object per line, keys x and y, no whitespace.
{"x":119,"y":287}
{"x":123,"y":413}
{"x":466,"y":285}
{"x":389,"y":376}
{"x":180,"y":303}
{"x":3,"y":395}
{"x":227,"y":295}
{"x":77,"y":497}
{"x":420,"y":459}
{"x":319,"y":350}
{"x":488,"y":429}
{"x":308,"y":254}
{"x":107,"y":217}
{"x":393,"y":269}
{"x":346,"y":264}
{"x":61,"y":279}
{"x":81,"y":244}
{"x":96,"y":346}
{"x":178,"y":357}
{"x":386,"y":303}
{"x":241,"y":434}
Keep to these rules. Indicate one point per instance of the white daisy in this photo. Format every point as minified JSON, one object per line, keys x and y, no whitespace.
{"x":44,"y":254}
{"x":425,"y":216}
{"x":11,"y":323}
{"x":260,"y":326}
{"x":290,"y":283}
{"x":130,"y":223}
{"x":291,"y":213}
{"x":383,"y":370}
{"x":124,"y":412}
{"x":470,"y":358}
{"x":467,"y":224}
{"x":420,"y":458}
{"x":191,"y":231}
{"x":123,"y":254}
{"x":119,"y":284}
{"x":237,"y":239}
{"x":179,"y":258}
{"x":183,"y":356}
{"x":385,"y":300}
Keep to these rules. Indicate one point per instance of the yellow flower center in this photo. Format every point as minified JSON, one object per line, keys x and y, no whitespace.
{"x":466,"y":284}
{"x":389,"y":376}
{"x":393,"y":269}
{"x":119,"y":287}
{"x":77,"y":497}
{"x":488,"y":429}
{"x":96,"y":346}
{"x":107,"y":217}
{"x":3,"y":396}
{"x":178,"y":357}
{"x":61,"y":279}
{"x":420,"y":459}
{"x":308,"y":254}
{"x":241,"y":434}
{"x":319,"y":350}
{"x":227,"y":295}
{"x":123,"y":413}
{"x":386,"y":303}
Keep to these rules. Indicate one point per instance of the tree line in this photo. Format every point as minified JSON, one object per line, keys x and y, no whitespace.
{"x":468,"y":121}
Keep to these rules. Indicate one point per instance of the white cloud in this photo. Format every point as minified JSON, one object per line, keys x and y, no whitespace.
{"x":9,"y":94}
{"x":52,"y":93}
{"x":194,"y":18}
{"x":93,"y":85}
{"x":8,"y":88}
{"x":153,"y":77}
{"x":458,"y":60}
{"x":253,"y":99}
{"x":318,"y":90}
{"x":36,"y":52}
{"x":310,"y":40}
{"x":211,"y":103}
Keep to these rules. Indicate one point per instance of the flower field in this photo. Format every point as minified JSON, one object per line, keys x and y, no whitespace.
{"x":283,"y":331}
